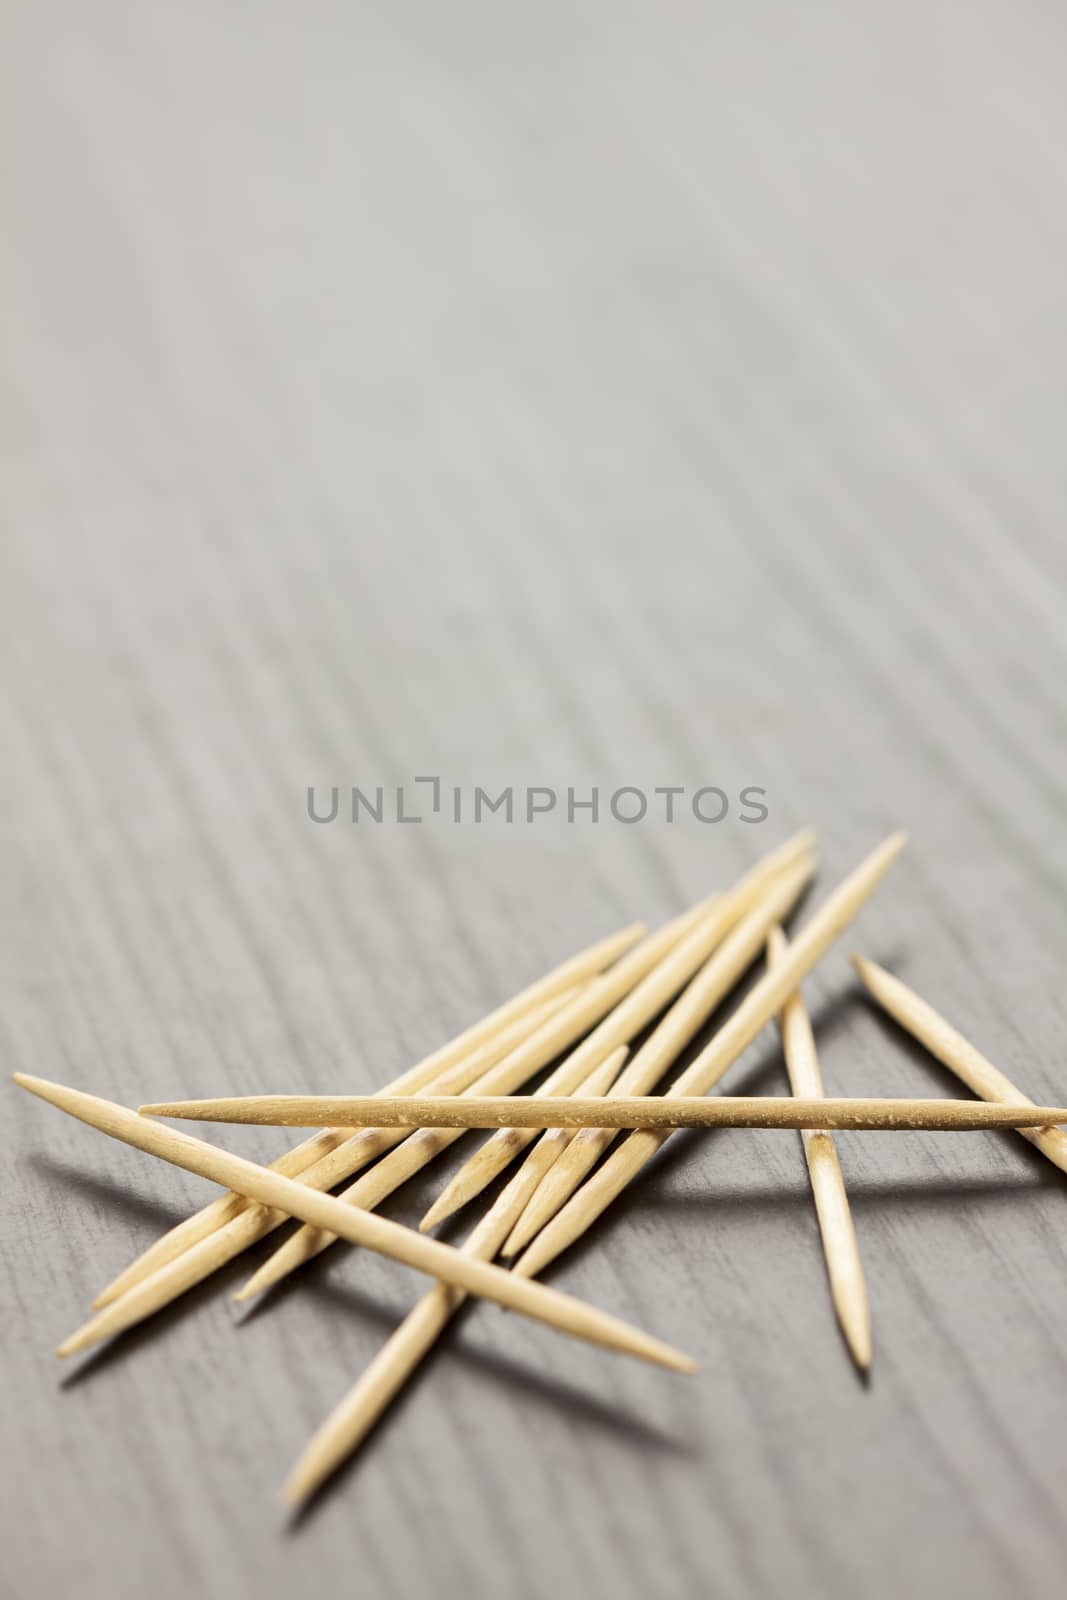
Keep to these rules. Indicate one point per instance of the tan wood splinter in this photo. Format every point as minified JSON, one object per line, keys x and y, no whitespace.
{"x":844,"y":1269}
{"x":398,"y":1358}
{"x":360,"y":1227}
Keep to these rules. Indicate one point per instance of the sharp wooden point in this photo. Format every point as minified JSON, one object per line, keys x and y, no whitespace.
{"x":803,"y":839}
{"x":553,"y":1192}
{"x":531,"y":1262}
{"x":79,"y":1340}
{"x":292,"y":1494}
{"x":858,"y":1339}
{"x":277,"y":1267}
{"x":870,"y":973}
{"x":681,"y":1363}
{"x":442,"y":1208}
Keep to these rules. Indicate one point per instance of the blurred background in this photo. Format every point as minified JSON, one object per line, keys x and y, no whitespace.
{"x":571,"y":395}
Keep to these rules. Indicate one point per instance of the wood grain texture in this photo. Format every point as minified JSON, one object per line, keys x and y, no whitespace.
{"x":550,"y":395}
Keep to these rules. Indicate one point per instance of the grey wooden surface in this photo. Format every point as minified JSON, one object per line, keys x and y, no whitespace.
{"x":562,"y":394}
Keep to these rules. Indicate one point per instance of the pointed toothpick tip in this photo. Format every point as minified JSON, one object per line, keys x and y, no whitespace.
{"x":275,"y":1269}
{"x":859,"y":1344}
{"x":301,"y":1486}
{"x":528,"y":1264}
{"x":290,"y":1497}
{"x":438,"y":1212}
{"x":261,"y":1282}
{"x":854,"y":1320}
{"x":73,"y":1343}
{"x":868,"y":971}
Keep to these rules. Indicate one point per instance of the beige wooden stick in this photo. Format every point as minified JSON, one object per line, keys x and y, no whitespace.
{"x":519,"y":1063}
{"x":793,"y":860}
{"x":368,"y":1192}
{"x":844,"y":1269}
{"x":560,"y":1026}
{"x":456,"y":1112}
{"x":357,"y":1413}
{"x":152,"y":1293}
{"x":387,"y":1238}
{"x":425,"y":1144}
{"x":955,"y":1052}
{"x":762,"y":1003}
{"x":594,"y":958}
{"x":681,"y":1024}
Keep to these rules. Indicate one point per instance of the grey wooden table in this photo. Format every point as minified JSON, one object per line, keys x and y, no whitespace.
{"x":556,"y":396}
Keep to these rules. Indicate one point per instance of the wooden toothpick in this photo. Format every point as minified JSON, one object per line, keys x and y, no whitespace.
{"x":594,"y":958}
{"x":387,"y":1238}
{"x":245,"y":1226}
{"x":423,"y":1146}
{"x":357,"y":1413}
{"x":683,"y":1021}
{"x":457,"y":1112}
{"x":955,"y":1052}
{"x":531,"y":1052}
{"x":762,"y":1003}
{"x":793,"y":860}
{"x":848,"y":1287}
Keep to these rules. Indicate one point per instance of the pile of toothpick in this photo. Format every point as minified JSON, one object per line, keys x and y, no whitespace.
{"x":583,"y":1016}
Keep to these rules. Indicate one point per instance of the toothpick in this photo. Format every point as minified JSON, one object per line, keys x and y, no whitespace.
{"x":361,"y":1408}
{"x":422,"y":1147}
{"x":152,"y":1293}
{"x":848,"y":1287}
{"x":594,"y":958}
{"x":955,"y":1052}
{"x":680,"y":1025}
{"x":383,"y":1110}
{"x":762,"y":1003}
{"x":528,"y":1055}
{"x":387,"y":1238}
{"x":794,"y":857}
{"x":457,"y":1112}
